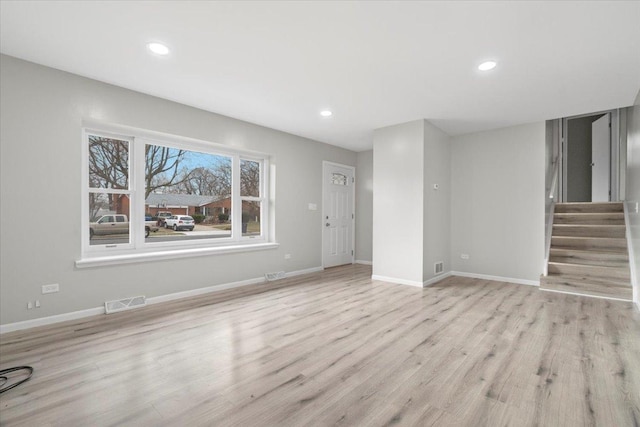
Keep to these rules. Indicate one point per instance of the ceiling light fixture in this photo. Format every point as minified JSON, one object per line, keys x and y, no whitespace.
{"x":326,"y":113}
{"x":488,"y":65}
{"x":158,"y":48}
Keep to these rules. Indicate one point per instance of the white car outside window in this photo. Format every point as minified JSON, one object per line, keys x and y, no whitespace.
{"x":180,"y":222}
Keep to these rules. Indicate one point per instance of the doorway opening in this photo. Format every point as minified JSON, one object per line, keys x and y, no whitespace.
{"x":590,"y":157}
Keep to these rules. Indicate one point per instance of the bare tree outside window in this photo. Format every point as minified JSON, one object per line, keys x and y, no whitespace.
{"x":108,"y":163}
{"x":249,"y":178}
{"x":162,"y":167}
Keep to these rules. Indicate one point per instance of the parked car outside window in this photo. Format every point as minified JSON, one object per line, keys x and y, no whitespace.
{"x":180,"y":222}
{"x":109,"y":224}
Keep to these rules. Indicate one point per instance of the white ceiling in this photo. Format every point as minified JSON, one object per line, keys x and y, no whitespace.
{"x":373,"y":64}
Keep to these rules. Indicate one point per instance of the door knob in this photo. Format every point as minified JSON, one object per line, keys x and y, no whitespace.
{"x":327,"y":224}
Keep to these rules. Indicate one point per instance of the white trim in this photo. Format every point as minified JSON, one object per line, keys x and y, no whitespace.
{"x":305,"y":271}
{"x":137,"y":139}
{"x":585,"y":295}
{"x":201,"y":291}
{"x":326,"y":163}
{"x":548,"y":236}
{"x":170,"y":254}
{"x":436,"y":279}
{"x":497,"y":278}
{"x":363,"y":262}
{"x":632,"y":258}
{"x":424,"y":284}
{"x":44,"y":321}
{"x":167,"y":139}
{"x":216,"y":288}
{"x":398,"y":281}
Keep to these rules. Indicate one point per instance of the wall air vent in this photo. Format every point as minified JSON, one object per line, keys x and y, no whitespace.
{"x":438,"y":267}
{"x":124,"y":304}
{"x":274,"y":276}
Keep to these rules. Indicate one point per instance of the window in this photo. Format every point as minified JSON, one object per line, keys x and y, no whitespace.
{"x":149,"y":193}
{"x":108,"y":160}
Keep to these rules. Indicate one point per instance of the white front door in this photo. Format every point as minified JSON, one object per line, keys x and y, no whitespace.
{"x":600,"y":158}
{"x":338,"y":214}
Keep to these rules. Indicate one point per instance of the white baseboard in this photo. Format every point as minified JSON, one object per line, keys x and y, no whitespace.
{"x":201,"y":291}
{"x":411,"y":282}
{"x":305,"y":271}
{"x":396,"y":280}
{"x":496,"y":278}
{"x":363,"y":262}
{"x":436,"y":279}
{"x":49,"y":320}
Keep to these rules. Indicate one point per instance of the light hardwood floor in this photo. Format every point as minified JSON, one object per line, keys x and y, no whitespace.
{"x":336,"y":348}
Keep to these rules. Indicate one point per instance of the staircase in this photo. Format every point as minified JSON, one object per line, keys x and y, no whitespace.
{"x":589,"y":253}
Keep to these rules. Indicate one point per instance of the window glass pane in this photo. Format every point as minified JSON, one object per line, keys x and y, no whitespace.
{"x":108,"y":219}
{"x":249,"y":178}
{"x":108,"y":163}
{"x":251,"y":213}
{"x":188,"y":193}
{"x":338,"y":179}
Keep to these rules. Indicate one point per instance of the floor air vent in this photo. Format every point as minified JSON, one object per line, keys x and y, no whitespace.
{"x":124,"y":304}
{"x":438,"y":267}
{"x":274,"y":276}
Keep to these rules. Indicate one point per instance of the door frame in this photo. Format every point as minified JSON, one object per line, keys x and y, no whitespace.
{"x":614,"y":158}
{"x":326,"y":163}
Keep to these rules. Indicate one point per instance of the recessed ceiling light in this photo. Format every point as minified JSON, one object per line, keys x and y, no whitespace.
{"x":158,"y":48}
{"x":488,"y":65}
{"x":326,"y":113}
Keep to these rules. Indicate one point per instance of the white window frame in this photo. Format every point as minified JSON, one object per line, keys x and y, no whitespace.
{"x":260,"y":198}
{"x":138,"y":249}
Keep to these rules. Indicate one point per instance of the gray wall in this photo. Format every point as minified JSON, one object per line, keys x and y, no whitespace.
{"x":411,"y":220}
{"x":497,"y":204}
{"x":42,"y":113}
{"x":364,"y":206}
{"x":398,"y":201}
{"x":633,"y":188}
{"x":437,"y":203}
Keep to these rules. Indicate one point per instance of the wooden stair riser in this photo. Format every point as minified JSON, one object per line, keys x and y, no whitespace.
{"x":590,"y":271}
{"x":589,"y":218}
{"x":589,"y":253}
{"x":581,"y":286}
{"x":611,"y":231}
{"x":589,"y":243}
{"x":606,"y":259}
{"x":588,"y":207}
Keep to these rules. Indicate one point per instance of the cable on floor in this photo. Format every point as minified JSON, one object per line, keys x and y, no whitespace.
{"x":5,"y":379}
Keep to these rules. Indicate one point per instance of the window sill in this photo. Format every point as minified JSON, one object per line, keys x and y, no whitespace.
{"x":169,"y":255}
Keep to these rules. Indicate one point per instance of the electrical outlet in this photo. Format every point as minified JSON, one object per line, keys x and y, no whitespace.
{"x":49,"y":289}
{"x":464,"y":256}
{"x":37,"y":303}
{"x":287,"y":256}
{"x":29,"y":305}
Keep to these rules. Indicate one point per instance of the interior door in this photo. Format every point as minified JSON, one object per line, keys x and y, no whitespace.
{"x":338,"y":214}
{"x":600,"y":158}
